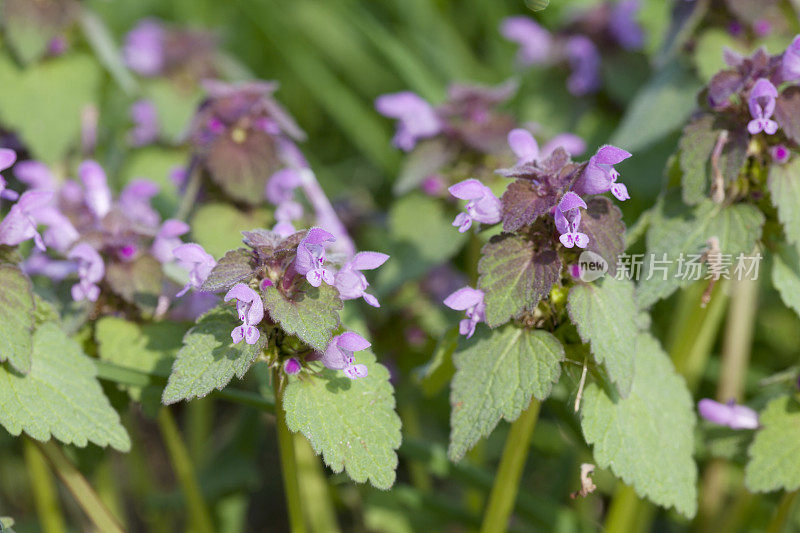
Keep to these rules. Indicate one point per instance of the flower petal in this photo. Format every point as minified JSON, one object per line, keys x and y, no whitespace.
{"x":523,"y":145}
{"x":470,"y":189}
{"x":351,"y":341}
{"x":368,"y":260}
{"x":464,"y":298}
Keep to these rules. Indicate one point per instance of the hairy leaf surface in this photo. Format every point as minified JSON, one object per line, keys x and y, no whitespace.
{"x":16,"y":318}
{"x":773,"y":454}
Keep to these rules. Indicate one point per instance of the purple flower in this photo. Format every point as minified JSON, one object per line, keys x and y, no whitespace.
{"x":584,"y":59}
{"x":535,"y":42}
{"x":790,"y":63}
{"x":780,"y":154}
{"x":567,"y":216}
{"x":286,"y":212}
{"x":417,"y":118}
{"x":339,"y":354}
{"x":624,"y":26}
{"x":7,"y":158}
{"x":60,"y":233}
{"x":310,"y":259}
{"x":351,"y":283}
{"x":762,"y":27}
{"x":600,"y":176}
{"x":145,"y":123}
{"x":90,"y":271}
{"x":197,"y":261}
{"x":469,"y":300}
{"x":762,"y":104}
{"x":526,"y":148}
{"x":144,"y":48}
{"x":292,"y":366}
{"x":19,"y":225}
{"x":98,"y":195}
{"x":728,"y":414}
{"x":35,"y":174}
{"x":523,"y":145}
{"x":482,"y":206}
{"x":167,"y":239}
{"x":134,"y":201}
{"x":251,"y":312}
{"x":38,"y":263}
{"x":281,"y":185}
{"x":433,"y":185}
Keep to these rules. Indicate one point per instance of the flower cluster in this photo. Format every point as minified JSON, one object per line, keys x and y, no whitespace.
{"x":580,"y":45}
{"x":547,"y":198}
{"x":91,"y":231}
{"x":154,"y":49}
{"x":746,"y":95}
{"x":289,"y":266}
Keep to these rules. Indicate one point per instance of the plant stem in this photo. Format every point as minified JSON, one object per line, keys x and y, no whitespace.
{"x":782,"y":514}
{"x":624,"y":511}
{"x":44,"y":490}
{"x":199,"y":515}
{"x":80,"y":489}
{"x":189,"y":196}
{"x":291,"y":485}
{"x":199,"y":421}
{"x":735,"y":360}
{"x":512,"y":463}
{"x":321,"y":516}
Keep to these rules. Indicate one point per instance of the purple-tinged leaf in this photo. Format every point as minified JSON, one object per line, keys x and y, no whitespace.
{"x":137,"y":282}
{"x":515,"y":274}
{"x":242,"y":166}
{"x":235,"y":267}
{"x":787,"y":113}
{"x":602,"y":223}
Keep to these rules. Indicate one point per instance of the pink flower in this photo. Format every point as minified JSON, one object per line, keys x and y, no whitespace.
{"x":482,"y":206}
{"x":91,"y":270}
{"x":728,"y":414}
{"x":339,"y":354}
{"x":251,"y":312}
{"x":197,"y":261}
{"x":19,"y":225}
{"x":762,"y":105}
{"x":469,"y":300}
{"x":535,"y":43}
{"x":351,"y":283}
{"x":310,"y":259}
{"x":167,"y":239}
{"x":417,"y":118}
{"x":600,"y":176}
{"x":567,"y":217}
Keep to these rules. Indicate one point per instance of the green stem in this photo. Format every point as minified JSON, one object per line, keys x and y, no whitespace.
{"x":199,"y":515}
{"x":623,"y":513}
{"x":321,"y":516}
{"x":199,"y":420}
{"x":80,"y":489}
{"x":291,"y":485}
{"x":782,"y":514}
{"x":512,"y":463}
{"x":738,"y":340}
{"x":44,"y":490}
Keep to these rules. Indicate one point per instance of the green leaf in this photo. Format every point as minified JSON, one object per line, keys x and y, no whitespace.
{"x":175,"y":106}
{"x":606,"y":317}
{"x":60,"y":397}
{"x":737,"y":227}
{"x":149,"y":348}
{"x":16,"y":318}
{"x":514,"y":275}
{"x":661,"y":107}
{"x":421,"y":237}
{"x":773,"y":455}
{"x":155,"y":163}
{"x":43,"y":103}
{"x":138,"y":282}
{"x":708,"y":52}
{"x":209,"y":359}
{"x":696,"y":148}
{"x":647,"y":439}
{"x":497,"y":372}
{"x":784,"y":189}
{"x":427,"y":157}
{"x":786,"y":278}
{"x":218,"y":227}
{"x":352,"y":423}
{"x":235,"y":267}
{"x":311,"y":313}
